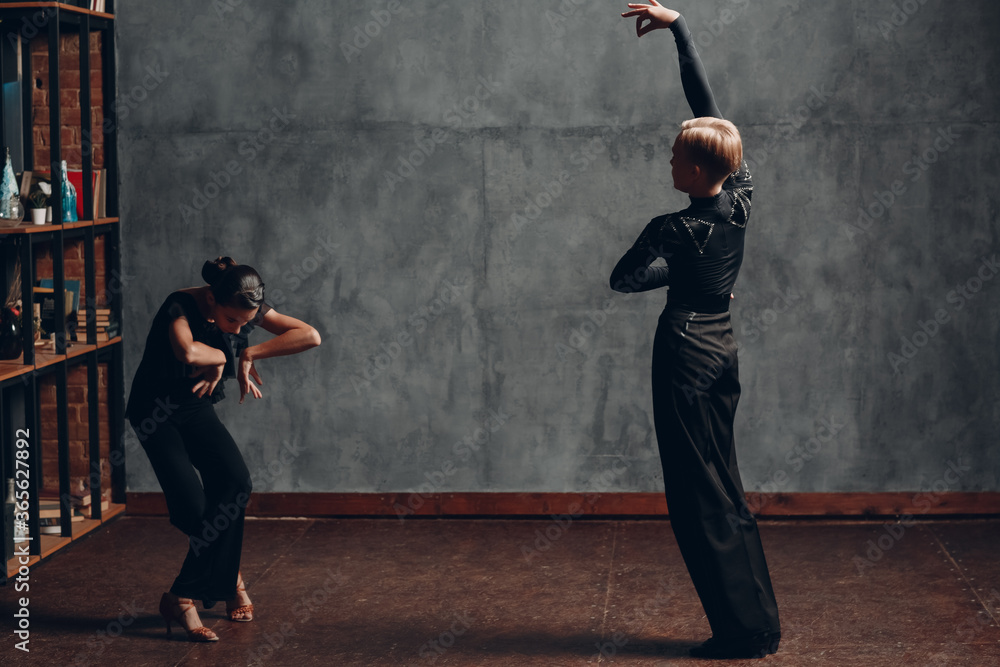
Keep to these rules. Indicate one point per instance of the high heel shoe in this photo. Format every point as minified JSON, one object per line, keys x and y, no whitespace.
{"x":241,"y":613}
{"x":175,"y":611}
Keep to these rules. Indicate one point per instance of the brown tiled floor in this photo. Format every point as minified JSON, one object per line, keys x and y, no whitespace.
{"x":494,"y":592}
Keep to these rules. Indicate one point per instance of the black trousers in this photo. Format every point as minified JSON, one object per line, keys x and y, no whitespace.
{"x":209,"y":510}
{"x":695,"y":391}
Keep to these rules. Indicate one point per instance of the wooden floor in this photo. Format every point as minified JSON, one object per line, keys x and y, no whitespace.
{"x":516,"y":592}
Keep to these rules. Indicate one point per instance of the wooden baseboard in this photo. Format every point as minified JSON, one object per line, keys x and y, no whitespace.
{"x":777,"y":505}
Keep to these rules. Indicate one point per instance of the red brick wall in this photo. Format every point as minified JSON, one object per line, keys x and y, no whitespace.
{"x":69,"y":102}
{"x":71,"y":145}
{"x":78,"y":414}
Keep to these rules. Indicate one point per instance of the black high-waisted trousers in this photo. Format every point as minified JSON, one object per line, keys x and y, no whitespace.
{"x":210,"y":511}
{"x":695,"y":391}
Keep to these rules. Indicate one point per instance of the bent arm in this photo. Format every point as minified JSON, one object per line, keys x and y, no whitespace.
{"x":291,"y":336}
{"x":633,"y":272}
{"x":190,"y":351}
{"x":694,"y":79}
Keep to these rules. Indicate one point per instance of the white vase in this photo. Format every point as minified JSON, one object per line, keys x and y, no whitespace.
{"x":38,"y":216}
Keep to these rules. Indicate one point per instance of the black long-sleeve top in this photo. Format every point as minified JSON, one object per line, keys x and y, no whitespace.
{"x":161,"y":376}
{"x":702,"y":244}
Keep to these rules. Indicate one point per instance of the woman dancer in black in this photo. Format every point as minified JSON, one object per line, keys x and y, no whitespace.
{"x":695,"y":378}
{"x":197,"y":339}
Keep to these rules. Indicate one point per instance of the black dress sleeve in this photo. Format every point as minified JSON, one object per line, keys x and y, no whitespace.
{"x":241,"y":341}
{"x":633,"y":272}
{"x":693,"y":76}
{"x":258,"y":319}
{"x":699,"y":93}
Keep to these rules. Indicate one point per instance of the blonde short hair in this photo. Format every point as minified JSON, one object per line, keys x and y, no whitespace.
{"x":714,"y":144}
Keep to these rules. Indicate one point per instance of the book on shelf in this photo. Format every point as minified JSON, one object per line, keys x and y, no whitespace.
{"x":25,"y":184}
{"x":99,"y":320}
{"x":53,"y":527}
{"x":48,"y":508}
{"x":101,"y":196}
{"x":70,"y":286}
{"x":105,"y":329}
{"x":88,"y":510}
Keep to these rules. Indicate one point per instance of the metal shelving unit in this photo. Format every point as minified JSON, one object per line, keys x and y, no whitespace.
{"x":20,"y":379}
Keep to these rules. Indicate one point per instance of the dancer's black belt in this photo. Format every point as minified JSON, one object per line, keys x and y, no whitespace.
{"x":702,"y":303}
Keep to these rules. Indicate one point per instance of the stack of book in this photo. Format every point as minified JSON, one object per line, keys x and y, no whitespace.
{"x":83,"y":501}
{"x":49,"y":515}
{"x":106,"y":328}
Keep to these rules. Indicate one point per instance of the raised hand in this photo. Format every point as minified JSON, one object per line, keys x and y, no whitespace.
{"x":210,"y":376}
{"x":246,"y":372}
{"x":657,"y":15}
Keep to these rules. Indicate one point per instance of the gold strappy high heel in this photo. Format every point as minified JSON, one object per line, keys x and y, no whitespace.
{"x":242,"y":613}
{"x":175,"y":611}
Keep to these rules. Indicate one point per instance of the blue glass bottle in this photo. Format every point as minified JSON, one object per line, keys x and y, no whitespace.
{"x":68,"y":196}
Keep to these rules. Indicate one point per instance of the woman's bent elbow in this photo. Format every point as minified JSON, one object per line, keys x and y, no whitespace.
{"x":314,"y":338}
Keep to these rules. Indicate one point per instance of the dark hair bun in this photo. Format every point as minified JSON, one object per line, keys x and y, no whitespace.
{"x":233,"y":284}
{"x":214,"y":269}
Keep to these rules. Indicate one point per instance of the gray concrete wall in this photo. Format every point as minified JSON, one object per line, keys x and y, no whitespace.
{"x":452,"y":189}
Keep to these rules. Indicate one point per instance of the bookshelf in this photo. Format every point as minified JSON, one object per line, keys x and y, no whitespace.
{"x":65,"y":397}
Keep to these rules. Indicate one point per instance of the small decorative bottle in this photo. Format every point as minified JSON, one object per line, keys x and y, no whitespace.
{"x":68,"y":195}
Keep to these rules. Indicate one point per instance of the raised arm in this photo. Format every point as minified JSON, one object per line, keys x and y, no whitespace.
{"x":291,"y":336}
{"x":693,"y":77}
{"x":208,"y":361}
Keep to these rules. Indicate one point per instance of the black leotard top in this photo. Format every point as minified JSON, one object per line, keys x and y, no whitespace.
{"x":162,"y":376}
{"x":703,"y":244}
